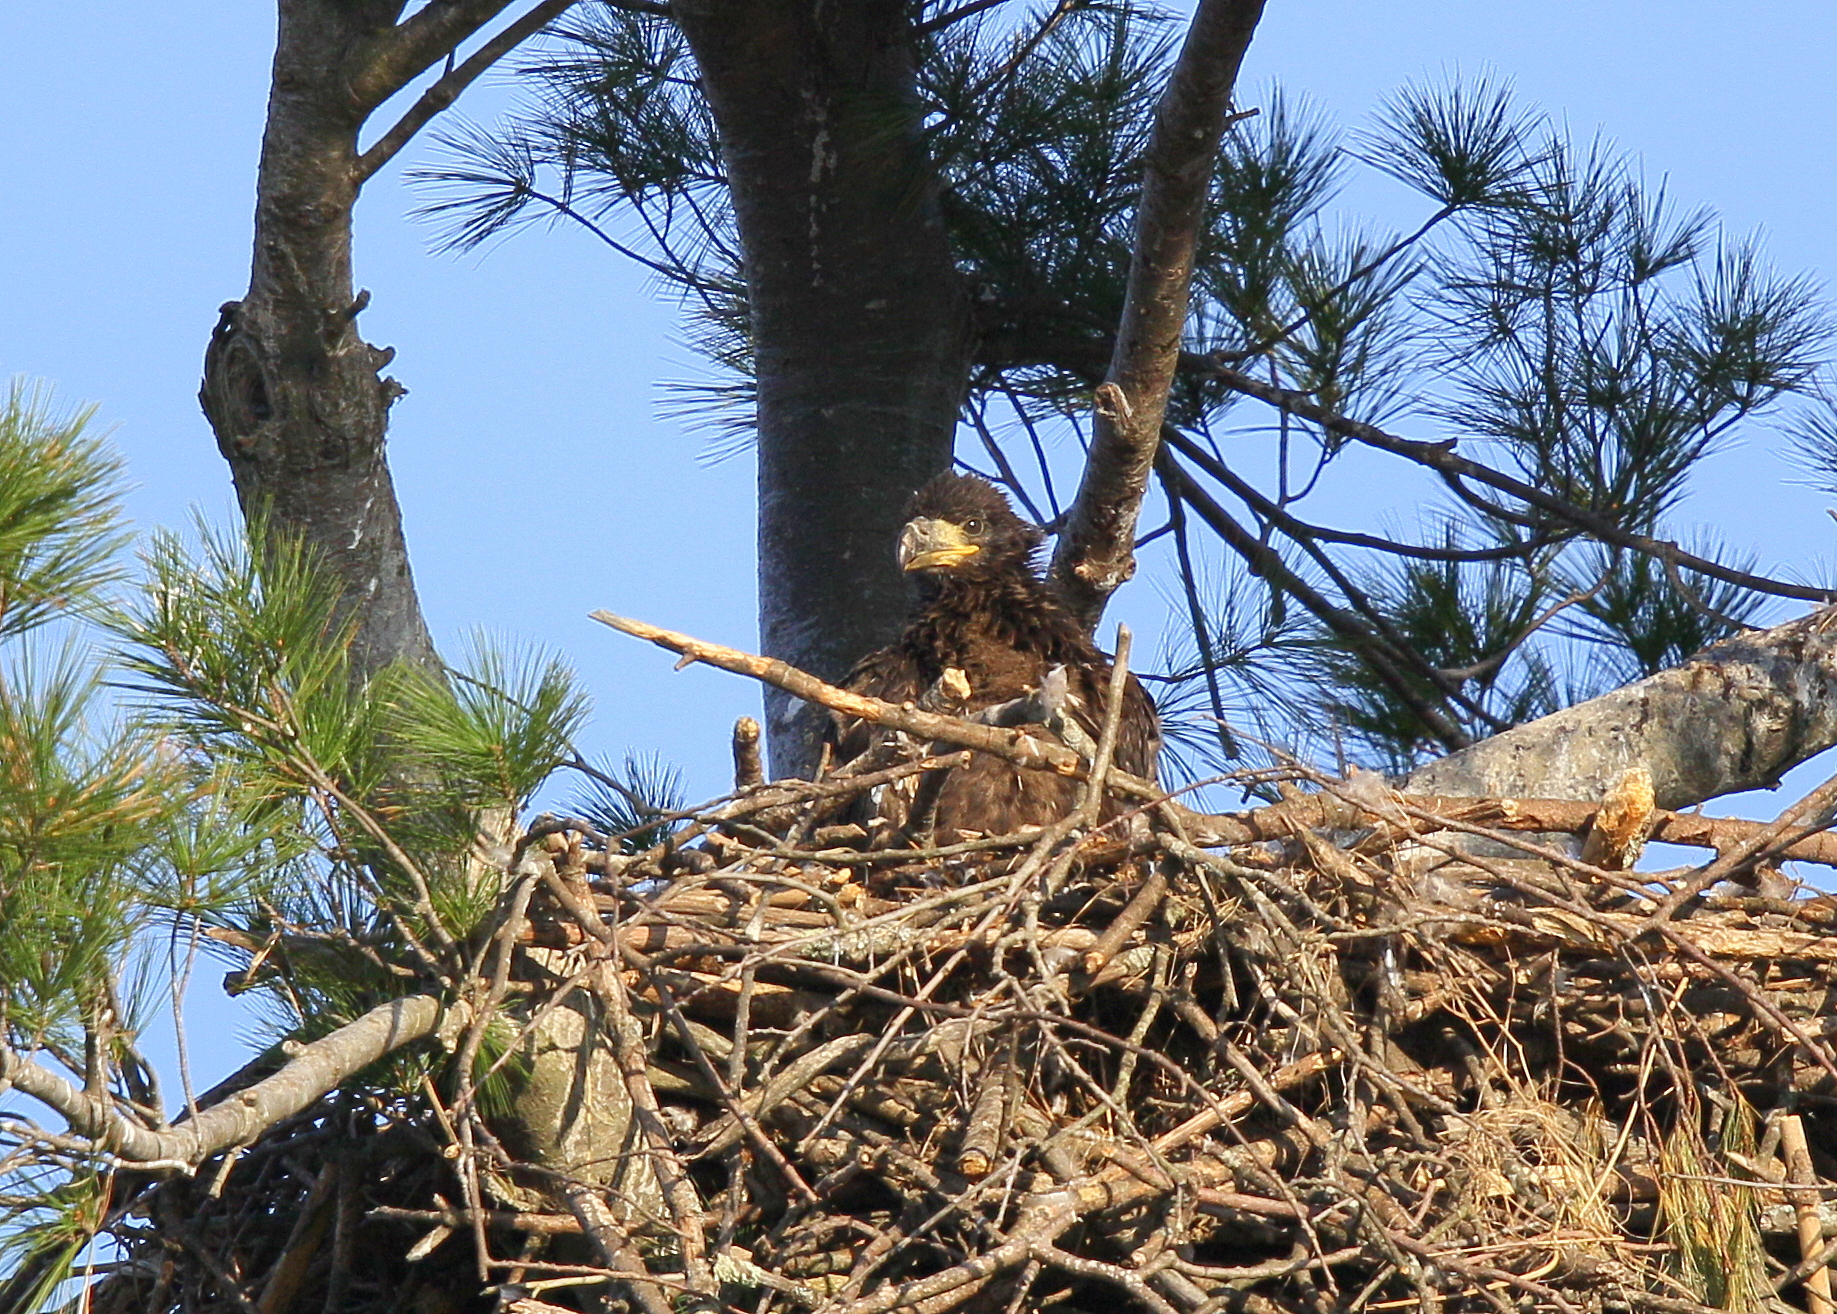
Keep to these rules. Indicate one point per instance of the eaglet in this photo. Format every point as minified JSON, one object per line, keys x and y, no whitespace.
{"x":983,"y":612}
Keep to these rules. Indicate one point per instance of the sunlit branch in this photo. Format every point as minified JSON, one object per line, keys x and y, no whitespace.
{"x":237,"y":1119}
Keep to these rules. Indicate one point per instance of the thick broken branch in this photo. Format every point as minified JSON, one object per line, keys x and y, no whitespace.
{"x":1738,"y":716}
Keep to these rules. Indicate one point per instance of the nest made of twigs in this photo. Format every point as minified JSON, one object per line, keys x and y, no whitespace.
{"x":1087,"y":1070}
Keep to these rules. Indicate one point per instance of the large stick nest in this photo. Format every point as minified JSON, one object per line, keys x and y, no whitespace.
{"x":1354,"y":1062}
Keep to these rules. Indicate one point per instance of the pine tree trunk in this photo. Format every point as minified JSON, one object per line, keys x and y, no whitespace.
{"x":291,"y":390}
{"x":861,"y":327}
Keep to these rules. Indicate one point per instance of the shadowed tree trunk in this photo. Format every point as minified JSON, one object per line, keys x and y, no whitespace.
{"x":861,"y":328}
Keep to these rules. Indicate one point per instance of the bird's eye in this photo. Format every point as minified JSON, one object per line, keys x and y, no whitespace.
{"x":972,"y":526}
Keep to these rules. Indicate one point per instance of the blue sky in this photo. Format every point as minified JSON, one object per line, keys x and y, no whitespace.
{"x":539,"y":480}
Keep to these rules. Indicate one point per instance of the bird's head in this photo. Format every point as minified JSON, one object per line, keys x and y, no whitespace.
{"x":961,"y":527}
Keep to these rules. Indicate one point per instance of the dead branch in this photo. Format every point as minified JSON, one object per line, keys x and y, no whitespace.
{"x":244,"y":1115}
{"x":1015,"y":746}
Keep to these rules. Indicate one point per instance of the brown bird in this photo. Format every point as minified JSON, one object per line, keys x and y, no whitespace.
{"x":983,"y":611}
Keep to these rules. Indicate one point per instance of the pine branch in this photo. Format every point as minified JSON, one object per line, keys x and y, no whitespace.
{"x":1095,"y":553}
{"x":1441,"y":457}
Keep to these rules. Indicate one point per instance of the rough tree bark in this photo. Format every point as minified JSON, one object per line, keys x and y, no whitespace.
{"x":861,"y":328}
{"x":295,"y":395}
{"x":291,"y":390}
{"x":1096,"y":553}
{"x":1738,"y":716}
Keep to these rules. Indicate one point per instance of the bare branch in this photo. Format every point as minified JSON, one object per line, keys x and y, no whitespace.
{"x":1301,"y":530}
{"x":938,"y":22}
{"x":1385,"y":659}
{"x":445,"y":91}
{"x":316,"y":1069}
{"x":1450,"y":788}
{"x":1095,"y":554}
{"x":1014,"y":745}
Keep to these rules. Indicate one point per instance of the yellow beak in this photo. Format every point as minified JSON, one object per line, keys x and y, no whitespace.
{"x":926,"y":544}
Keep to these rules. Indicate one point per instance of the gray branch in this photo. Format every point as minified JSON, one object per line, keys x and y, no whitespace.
{"x":315,"y":1070}
{"x":1737,"y":716}
{"x":1096,"y":553}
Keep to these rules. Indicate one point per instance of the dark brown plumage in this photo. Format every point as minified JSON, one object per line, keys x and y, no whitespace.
{"x":984,"y":611}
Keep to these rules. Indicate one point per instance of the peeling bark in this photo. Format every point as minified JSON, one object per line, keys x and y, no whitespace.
{"x":1738,"y":716}
{"x":861,"y":326}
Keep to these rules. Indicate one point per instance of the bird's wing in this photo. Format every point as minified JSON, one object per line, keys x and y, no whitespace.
{"x":1138,"y":735}
{"x":889,"y":674}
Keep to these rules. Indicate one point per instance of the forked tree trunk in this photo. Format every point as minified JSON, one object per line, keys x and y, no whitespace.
{"x":861,"y":328}
{"x":291,"y":389}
